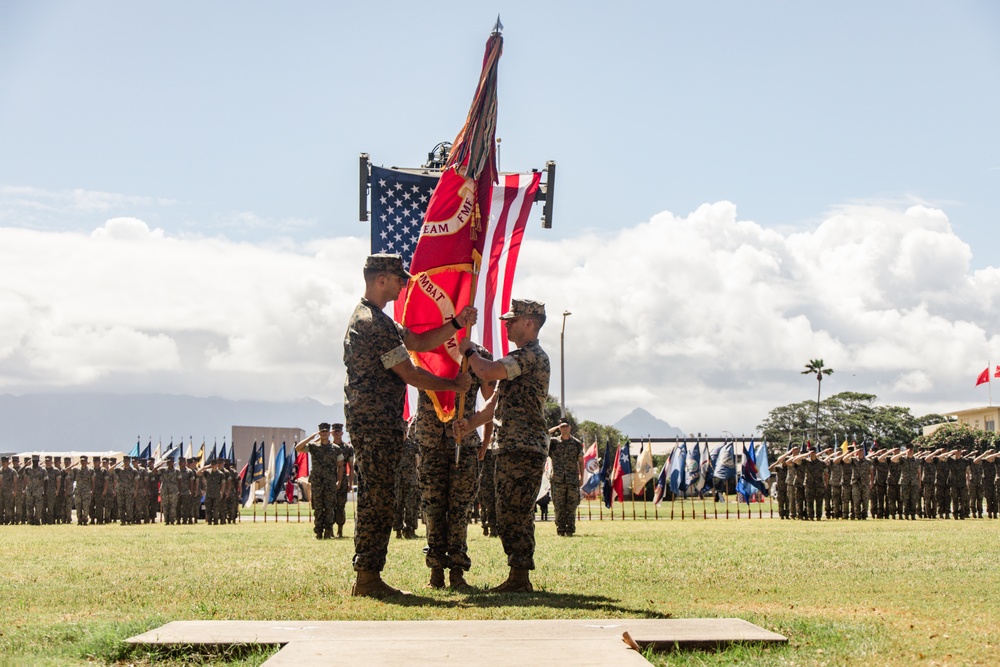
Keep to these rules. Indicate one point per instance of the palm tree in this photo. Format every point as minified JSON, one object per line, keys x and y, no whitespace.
{"x":816,"y":366}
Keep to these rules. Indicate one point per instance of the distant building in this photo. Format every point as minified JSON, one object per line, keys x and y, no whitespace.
{"x":243,"y":438}
{"x":982,"y":419}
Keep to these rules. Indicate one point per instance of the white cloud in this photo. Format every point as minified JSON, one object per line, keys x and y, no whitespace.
{"x":705,"y":320}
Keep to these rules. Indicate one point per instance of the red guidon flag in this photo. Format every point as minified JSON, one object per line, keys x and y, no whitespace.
{"x":984,"y":377}
{"x":446,"y":262}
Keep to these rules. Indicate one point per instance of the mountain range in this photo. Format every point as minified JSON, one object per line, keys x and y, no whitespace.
{"x":640,"y":424}
{"x":112,"y":422}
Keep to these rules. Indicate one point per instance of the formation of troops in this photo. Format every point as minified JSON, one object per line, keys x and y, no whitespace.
{"x":51,"y":490}
{"x":891,"y":483}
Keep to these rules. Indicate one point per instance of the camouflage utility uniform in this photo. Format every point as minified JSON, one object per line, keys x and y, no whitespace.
{"x":566,"y":456}
{"x":323,"y":486}
{"x":407,"y":500}
{"x":373,"y":408}
{"x":447,"y":488}
{"x":522,"y":441}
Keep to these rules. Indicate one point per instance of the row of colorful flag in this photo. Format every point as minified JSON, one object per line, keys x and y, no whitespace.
{"x":172,"y":451}
{"x":687,"y":471}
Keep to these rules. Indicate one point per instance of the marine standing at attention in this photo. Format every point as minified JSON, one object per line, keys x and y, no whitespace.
{"x":378,"y":370}
{"x":517,"y":409}
{"x":566,"y":453}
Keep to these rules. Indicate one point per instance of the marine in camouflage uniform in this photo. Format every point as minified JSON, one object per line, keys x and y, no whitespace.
{"x":781,"y":485}
{"x":988,"y":460}
{"x":66,"y":512}
{"x":861,"y":485}
{"x":975,"y":487}
{"x":880,"y":489}
{"x":835,"y":473}
{"x":792,"y":481}
{"x":215,"y":483}
{"x":376,"y":355}
{"x":169,"y":491}
{"x":448,"y":486}
{"x":518,"y":411}
{"x":894,"y":505}
{"x":566,"y":453}
{"x":83,"y":489}
{"x":959,"y":484}
{"x":928,"y":475}
{"x":9,"y":486}
{"x":847,"y":490}
{"x":909,"y":483}
{"x":35,"y":479}
{"x":97,"y":495}
{"x":488,"y":490}
{"x":21,"y":497}
{"x":800,"y":488}
{"x":50,"y":492}
{"x":322,"y":480}
{"x":184,"y":493}
{"x":141,"y":491}
{"x":406,"y":516}
{"x":111,"y":498}
{"x":125,"y":479}
{"x":345,"y":480}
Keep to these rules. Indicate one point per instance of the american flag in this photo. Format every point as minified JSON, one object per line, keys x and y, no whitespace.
{"x":398,"y":203}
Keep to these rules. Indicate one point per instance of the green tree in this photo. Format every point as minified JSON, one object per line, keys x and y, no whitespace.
{"x":553,"y":414}
{"x":787,"y":425}
{"x":816,"y":366}
{"x":589,"y":431}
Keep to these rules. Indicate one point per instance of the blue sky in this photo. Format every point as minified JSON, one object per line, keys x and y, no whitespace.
{"x":241,"y":122}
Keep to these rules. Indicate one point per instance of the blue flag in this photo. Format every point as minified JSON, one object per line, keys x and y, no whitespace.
{"x":258,"y":467}
{"x":606,"y":465}
{"x":147,"y":452}
{"x":248,"y":476}
{"x":662,"y":483}
{"x":223,"y":454}
{"x":134,"y":452}
{"x":279,"y":474}
{"x":763,"y":465}
{"x":725,"y":462}
{"x":678,"y":461}
{"x":749,"y":481}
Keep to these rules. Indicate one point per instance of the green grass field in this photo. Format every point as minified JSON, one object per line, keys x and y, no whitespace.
{"x":845,"y":593}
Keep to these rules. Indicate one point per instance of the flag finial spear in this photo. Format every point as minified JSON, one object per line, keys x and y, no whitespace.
{"x":498,"y":27}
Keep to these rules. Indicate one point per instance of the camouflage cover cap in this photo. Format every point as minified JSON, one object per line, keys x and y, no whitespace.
{"x":338,"y":427}
{"x":387,"y":263}
{"x":324,"y":427}
{"x":522,"y":307}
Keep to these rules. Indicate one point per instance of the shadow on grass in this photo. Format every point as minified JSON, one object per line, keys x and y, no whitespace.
{"x":482,"y":598}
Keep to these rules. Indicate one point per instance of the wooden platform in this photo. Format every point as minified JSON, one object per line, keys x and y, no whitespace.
{"x":486,"y":643}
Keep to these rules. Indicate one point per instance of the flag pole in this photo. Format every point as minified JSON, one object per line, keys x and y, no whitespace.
{"x":476,"y":265}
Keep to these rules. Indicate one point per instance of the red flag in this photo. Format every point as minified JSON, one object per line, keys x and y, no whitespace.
{"x":996,"y":373}
{"x":302,"y":464}
{"x":450,"y":248}
{"x":984,"y":377}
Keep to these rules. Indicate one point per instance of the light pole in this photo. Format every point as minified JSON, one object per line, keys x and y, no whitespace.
{"x":562,"y":365}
